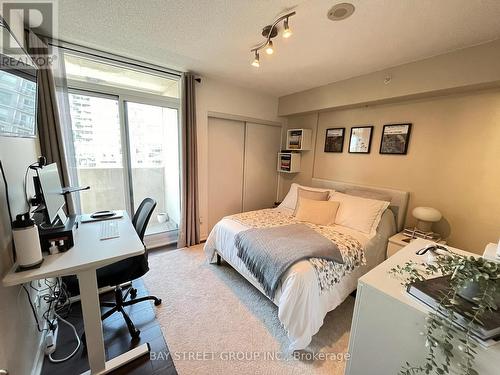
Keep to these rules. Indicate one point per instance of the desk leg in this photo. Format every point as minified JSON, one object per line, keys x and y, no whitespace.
{"x":92,"y":320}
{"x":91,"y":310}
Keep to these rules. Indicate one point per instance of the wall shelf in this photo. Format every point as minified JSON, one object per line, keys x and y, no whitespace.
{"x":289,"y":162}
{"x":299,"y":139}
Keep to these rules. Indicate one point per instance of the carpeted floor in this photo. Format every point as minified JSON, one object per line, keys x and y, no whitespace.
{"x":215,"y":322}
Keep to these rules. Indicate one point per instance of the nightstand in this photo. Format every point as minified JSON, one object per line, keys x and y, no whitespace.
{"x":397,"y":242}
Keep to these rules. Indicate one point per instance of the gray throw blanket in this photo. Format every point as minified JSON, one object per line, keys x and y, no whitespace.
{"x":269,"y":252}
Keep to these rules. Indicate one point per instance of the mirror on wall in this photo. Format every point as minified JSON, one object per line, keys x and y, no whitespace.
{"x":18,"y":87}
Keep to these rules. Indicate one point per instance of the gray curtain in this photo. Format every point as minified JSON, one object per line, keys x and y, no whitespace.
{"x":50,"y":131}
{"x":189,"y":228}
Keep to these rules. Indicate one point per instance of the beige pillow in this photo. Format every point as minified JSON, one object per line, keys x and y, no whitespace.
{"x":317,"y":212}
{"x":310,"y":194}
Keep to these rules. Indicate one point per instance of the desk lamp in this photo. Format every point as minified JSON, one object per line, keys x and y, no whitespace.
{"x":426,"y":216}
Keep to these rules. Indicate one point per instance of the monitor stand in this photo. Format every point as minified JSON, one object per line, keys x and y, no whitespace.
{"x":58,"y":232}
{"x":59,"y":223}
{"x":61,"y":215}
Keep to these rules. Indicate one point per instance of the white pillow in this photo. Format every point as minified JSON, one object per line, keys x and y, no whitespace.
{"x":358,"y":213}
{"x":290,"y":200}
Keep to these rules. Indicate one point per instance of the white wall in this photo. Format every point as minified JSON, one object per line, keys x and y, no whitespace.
{"x":19,"y":337}
{"x":218,"y":96}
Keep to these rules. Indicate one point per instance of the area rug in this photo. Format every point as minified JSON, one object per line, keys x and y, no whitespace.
{"x":215,"y":322}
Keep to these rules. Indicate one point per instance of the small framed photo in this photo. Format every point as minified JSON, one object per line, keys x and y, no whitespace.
{"x":395,"y":139}
{"x":334,"y":140}
{"x":361,"y":139}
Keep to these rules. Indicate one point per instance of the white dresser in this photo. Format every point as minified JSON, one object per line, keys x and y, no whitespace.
{"x":387,"y":323}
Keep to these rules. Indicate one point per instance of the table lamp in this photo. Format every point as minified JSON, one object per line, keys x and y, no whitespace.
{"x":426,"y":216}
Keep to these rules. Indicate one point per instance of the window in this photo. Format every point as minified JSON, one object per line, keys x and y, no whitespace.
{"x":98,"y":152}
{"x":125,"y":138}
{"x":17,"y":104}
{"x":154,"y":157}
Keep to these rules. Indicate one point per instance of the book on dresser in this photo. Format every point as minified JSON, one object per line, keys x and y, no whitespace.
{"x":431,"y":291}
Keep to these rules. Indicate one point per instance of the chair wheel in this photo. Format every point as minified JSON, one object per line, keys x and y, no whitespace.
{"x":158,"y":302}
{"x":133,"y":293}
{"x":136,"y":334}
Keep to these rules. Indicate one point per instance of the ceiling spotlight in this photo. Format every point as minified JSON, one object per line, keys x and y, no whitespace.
{"x":287,"y":33}
{"x":256,"y":62}
{"x":270,"y":48}
{"x":340,"y":11}
{"x":269,"y":32}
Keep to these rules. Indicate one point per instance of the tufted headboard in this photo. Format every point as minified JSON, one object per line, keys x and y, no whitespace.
{"x":399,"y":198}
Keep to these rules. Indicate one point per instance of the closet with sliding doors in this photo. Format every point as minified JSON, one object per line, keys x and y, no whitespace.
{"x":242,"y":173}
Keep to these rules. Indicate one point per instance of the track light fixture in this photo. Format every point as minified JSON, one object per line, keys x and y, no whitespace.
{"x":256,"y":62}
{"x":287,"y":33}
{"x":270,"y":48}
{"x":269,"y":32}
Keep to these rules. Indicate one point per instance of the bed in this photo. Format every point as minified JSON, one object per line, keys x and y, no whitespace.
{"x":302,"y":305}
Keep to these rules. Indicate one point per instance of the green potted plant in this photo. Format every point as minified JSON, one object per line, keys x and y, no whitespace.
{"x":474,"y":279}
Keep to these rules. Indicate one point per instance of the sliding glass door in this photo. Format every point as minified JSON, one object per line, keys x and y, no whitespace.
{"x":97,"y":140}
{"x":126,"y":151}
{"x":154,"y":158}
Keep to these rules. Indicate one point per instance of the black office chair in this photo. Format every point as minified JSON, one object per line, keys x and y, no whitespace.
{"x":128,"y":270}
{"x":124,"y":271}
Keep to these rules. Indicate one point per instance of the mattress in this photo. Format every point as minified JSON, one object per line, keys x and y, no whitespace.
{"x":301,"y":304}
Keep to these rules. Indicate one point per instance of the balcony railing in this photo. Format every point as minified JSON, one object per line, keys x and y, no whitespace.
{"x":107,"y":192}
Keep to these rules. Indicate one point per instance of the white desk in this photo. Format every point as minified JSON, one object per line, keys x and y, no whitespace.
{"x":88,"y":254}
{"x":387,"y":323}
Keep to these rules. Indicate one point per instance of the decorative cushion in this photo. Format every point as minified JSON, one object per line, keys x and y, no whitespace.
{"x":310,"y":194}
{"x":316,"y":212}
{"x":290,"y":200}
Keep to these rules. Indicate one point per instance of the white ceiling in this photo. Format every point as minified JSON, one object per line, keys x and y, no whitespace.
{"x":213,"y":37}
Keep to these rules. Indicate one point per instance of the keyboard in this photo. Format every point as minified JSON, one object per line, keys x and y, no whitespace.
{"x":109,"y":229}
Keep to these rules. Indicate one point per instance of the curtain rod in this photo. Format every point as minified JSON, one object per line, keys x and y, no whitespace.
{"x":112,"y":57}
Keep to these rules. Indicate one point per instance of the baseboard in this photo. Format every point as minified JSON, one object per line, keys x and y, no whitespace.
{"x":39,"y":356}
{"x":161,"y":239}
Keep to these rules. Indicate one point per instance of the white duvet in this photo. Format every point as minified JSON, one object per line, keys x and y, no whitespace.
{"x":301,"y":304}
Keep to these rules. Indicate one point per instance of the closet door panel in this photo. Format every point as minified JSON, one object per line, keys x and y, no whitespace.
{"x":226,"y":143}
{"x":262,"y":144}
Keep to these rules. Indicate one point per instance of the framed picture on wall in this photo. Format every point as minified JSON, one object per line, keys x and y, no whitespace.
{"x":334,"y":140}
{"x":361,"y":139}
{"x":395,"y":139}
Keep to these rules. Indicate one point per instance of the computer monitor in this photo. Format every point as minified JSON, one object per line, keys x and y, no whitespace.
{"x":52,"y":192}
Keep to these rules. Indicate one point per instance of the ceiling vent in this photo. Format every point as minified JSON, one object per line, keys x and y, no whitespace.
{"x":340,"y":11}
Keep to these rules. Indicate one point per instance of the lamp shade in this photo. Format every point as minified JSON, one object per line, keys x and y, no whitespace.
{"x":427,"y":214}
